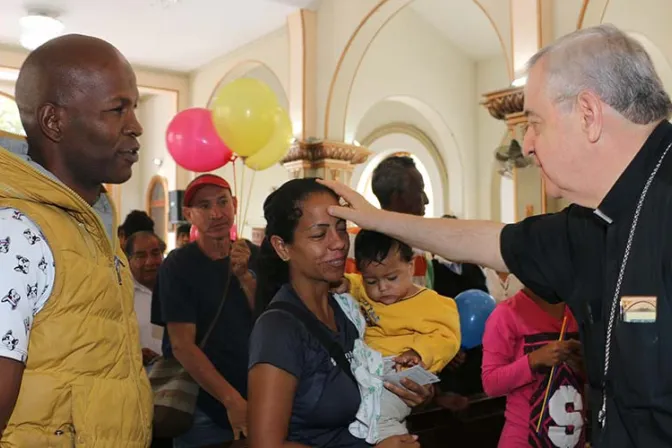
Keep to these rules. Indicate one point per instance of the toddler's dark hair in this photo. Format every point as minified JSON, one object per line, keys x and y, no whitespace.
{"x":374,"y":247}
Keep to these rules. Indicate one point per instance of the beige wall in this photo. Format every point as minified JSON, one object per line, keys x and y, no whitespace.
{"x":266,"y":59}
{"x":411,"y":75}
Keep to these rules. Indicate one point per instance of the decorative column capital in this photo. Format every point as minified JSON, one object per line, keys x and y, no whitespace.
{"x":316,"y":150}
{"x":324,"y":158}
{"x":503,"y":103}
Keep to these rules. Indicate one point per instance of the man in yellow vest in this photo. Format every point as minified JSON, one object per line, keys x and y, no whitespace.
{"x":70,"y":361}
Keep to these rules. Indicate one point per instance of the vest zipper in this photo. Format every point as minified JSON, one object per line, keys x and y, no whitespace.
{"x":70,"y":429}
{"x":117,"y":267}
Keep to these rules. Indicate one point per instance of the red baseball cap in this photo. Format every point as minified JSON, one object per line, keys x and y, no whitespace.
{"x":202,"y":181}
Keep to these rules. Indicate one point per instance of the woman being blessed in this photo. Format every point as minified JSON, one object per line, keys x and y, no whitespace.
{"x":299,"y":395}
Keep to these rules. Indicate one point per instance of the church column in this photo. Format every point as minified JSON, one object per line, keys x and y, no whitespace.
{"x":325,"y":159}
{"x":310,"y":157}
{"x":531,"y":29}
{"x":302,"y":26}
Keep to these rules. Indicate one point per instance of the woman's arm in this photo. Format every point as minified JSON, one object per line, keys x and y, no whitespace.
{"x":502,"y":372}
{"x":270,"y":396}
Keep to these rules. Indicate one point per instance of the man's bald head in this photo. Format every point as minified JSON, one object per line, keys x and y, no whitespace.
{"x":60,"y":70}
{"x":77,"y":96}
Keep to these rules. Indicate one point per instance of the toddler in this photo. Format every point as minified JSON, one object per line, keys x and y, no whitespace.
{"x":409,"y":323}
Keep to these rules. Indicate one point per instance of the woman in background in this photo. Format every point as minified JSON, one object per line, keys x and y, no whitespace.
{"x":297,"y":396}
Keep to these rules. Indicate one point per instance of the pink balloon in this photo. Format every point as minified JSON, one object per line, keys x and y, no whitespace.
{"x":193,"y":142}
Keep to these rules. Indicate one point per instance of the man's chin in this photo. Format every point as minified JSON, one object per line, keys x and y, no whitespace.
{"x":219,"y":234}
{"x":119,"y":177}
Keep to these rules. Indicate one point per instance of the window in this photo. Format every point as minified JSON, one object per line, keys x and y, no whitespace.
{"x":10,"y":121}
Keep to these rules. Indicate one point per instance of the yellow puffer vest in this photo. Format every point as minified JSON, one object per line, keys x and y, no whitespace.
{"x":84,"y":384}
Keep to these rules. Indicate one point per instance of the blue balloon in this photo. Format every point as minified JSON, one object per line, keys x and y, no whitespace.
{"x":474,"y":306}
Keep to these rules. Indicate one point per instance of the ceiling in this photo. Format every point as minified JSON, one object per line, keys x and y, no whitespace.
{"x":181,"y":37}
{"x":463,"y":23}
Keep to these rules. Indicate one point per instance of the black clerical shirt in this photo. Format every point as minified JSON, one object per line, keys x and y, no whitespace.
{"x":575,"y":256}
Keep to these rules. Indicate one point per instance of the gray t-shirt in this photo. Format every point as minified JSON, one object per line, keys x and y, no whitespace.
{"x":326,"y":399}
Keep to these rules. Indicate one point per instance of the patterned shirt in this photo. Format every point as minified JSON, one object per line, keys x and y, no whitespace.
{"x":26,"y":280}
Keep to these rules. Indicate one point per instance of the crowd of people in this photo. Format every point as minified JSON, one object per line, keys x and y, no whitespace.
{"x":289,"y":343}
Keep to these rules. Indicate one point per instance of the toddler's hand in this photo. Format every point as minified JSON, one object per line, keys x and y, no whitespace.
{"x":342,"y":287}
{"x":407,"y":359}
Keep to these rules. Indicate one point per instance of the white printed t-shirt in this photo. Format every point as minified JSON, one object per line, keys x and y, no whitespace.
{"x":26,"y":280}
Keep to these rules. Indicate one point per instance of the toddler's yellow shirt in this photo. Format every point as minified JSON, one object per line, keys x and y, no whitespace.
{"x":426,"y":322}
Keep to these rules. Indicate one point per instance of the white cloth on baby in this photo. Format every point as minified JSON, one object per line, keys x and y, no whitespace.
{"x":368,"y":367}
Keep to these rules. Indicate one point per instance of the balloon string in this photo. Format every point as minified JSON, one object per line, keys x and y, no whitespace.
{"x":247,"y":204}
{"x":241,"y":198}
{"x":235,"y":182}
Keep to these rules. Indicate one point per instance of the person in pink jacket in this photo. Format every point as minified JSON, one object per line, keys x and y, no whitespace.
{"x":520,"y":346}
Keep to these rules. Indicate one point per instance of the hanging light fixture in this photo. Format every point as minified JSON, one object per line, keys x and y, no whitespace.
{"x":166,"y":3}
{"x":38,"y":28}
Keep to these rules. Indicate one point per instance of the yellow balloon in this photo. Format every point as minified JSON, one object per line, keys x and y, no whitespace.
{"x":243,"y":112}
{"x":277,"y":147}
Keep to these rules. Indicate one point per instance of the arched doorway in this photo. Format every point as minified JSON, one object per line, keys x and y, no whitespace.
{"x":156,"y":205}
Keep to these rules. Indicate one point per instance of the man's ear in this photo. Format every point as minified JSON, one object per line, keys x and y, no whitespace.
{"x":235,"y":205}
{"x":280,"y":247}
{"x":186,"y":212}
{"x":51,"y":120}
{"x":591,"y":113}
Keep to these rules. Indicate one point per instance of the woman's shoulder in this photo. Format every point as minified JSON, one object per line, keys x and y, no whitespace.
{"x":275,"y":318}
{"x":278,"y":338}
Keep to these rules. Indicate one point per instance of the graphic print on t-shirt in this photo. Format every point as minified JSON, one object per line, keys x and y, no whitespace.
{"x":562,"y":425}
{"x":24,"y":289}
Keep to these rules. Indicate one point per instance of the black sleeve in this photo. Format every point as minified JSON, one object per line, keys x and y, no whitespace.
{"x":254,"y":255}
{"x":175,"y":292}
{"x":538,"y":252}
{"x":278,"y":339}
{"x":475,"y":277}
{"x":155,"y":314}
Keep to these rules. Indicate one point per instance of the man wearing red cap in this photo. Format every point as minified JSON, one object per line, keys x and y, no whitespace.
{"x":192,"y":284}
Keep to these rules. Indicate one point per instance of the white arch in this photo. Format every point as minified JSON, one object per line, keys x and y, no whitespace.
{"x":354,"y":52}
{"x":256,"y":70}
{"x":446,"y":152}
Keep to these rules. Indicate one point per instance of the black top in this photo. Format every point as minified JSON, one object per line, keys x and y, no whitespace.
{"x":575,"y":256}
{"x":190,"y":288}
{"x":326,"y":399}
{"x":450,"y":284}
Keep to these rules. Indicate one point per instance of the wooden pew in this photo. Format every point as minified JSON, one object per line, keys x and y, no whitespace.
{"x":479,"y":425}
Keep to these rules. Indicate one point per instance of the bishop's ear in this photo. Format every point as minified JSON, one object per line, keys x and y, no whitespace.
{"x":591,"y":112}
